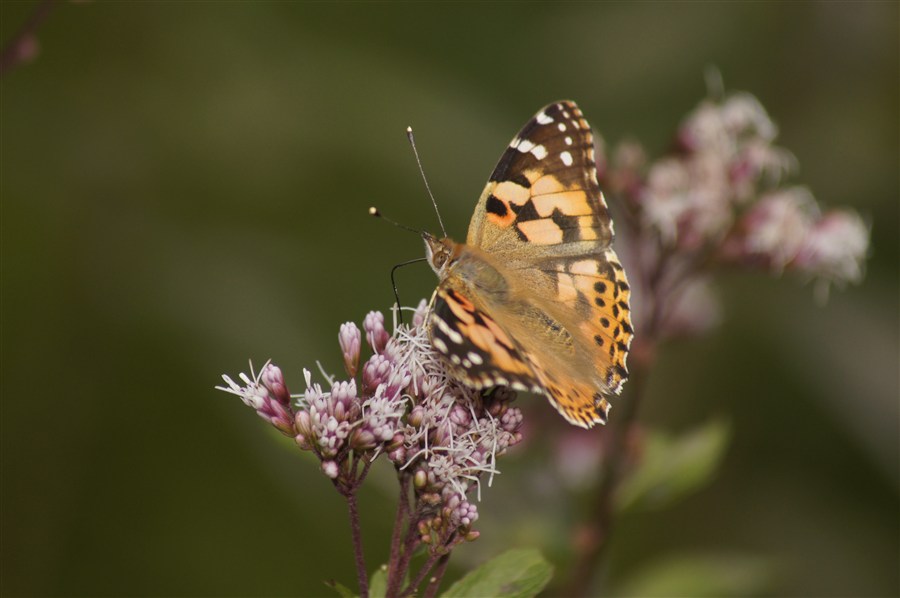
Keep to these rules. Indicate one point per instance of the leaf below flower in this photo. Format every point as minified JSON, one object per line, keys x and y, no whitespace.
{"x":520,"y":573}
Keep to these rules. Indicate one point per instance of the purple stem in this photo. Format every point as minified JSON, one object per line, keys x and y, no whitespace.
{"x":420,"y":576}
{"x":356,"y":533}
{"x":435,"y":582}
{"x":394,"y":577}
{"x":408,"y":548}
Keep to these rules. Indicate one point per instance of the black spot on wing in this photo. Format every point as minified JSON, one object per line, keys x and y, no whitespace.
{"x":495,"y":206}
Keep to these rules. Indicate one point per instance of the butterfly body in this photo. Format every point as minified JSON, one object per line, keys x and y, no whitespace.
{"x":536,"y":298}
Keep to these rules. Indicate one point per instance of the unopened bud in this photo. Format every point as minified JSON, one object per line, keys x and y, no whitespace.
{"x":349,"y":339}
{"x":376,"y":335}
{"x":330,"y":469}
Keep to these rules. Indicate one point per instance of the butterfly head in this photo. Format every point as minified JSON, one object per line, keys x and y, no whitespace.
{"x":441,"y":253}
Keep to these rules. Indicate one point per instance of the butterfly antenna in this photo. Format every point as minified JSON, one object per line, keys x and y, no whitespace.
{"x":412,"y":142}
{"x":376,"y":213}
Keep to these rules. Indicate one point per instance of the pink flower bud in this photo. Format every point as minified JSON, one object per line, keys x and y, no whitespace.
{"x":349,"y":339}
{"x":362,"y":439}
{"x":330,"y":469}
{"x":375,"y":372}
{"x":304,"y":424}
{"x":272,"y":378}
{"x":398,"y":455}
{"x":376,"y":335}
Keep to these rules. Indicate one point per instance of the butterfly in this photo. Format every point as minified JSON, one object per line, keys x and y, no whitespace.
{"x":536,"y":298}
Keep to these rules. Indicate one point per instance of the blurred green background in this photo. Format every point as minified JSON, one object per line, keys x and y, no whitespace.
{"x":184,"y":186}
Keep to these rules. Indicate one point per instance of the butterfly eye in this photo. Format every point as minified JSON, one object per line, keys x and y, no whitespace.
{"x":439,"y":259}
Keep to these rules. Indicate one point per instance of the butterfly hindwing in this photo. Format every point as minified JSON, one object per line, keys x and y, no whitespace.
{"x":599,"y":291}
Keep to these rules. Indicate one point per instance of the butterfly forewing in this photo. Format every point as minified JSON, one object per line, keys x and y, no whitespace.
{"x":544,"y":189}
{"x":478,"y":350}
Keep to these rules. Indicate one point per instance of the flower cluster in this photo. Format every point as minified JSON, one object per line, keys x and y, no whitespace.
{"x":401,"y":404}
{"x":718,"y":198}
{"x":720,"y":187}
{"x":786,"y":230}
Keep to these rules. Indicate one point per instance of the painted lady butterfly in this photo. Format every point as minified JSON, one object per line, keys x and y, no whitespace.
{"x":536,"y":298}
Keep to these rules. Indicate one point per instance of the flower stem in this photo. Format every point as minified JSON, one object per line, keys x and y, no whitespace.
{"x":423,"y":571}
{"x":409,"y":547}
{"x":435,"y":581}
{"x":395,"y":577}
{"x":357,"y":544}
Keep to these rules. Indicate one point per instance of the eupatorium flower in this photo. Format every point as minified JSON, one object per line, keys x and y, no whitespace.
{"x":718,"y":199}
{"x":401,"y":404}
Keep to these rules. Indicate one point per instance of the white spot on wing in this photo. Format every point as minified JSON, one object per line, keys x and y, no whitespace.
{"x":568,"y":141}
{"x":566,"y":157}
{"x":543,"y":118}
{"x":475,"y":358}
{"x":524,"y":146}
{"x":539,"y":152}
{"x":440,"y":345}
{"x":453,"y":335}
{"x":561,"y":126}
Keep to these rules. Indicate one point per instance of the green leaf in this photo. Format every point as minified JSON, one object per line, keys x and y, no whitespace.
{"x":672,"y":467}
{"x":342,"y":590}
{"x":701,"y":575}
{"x":378,"y":583}
{"x":520,"y":573}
